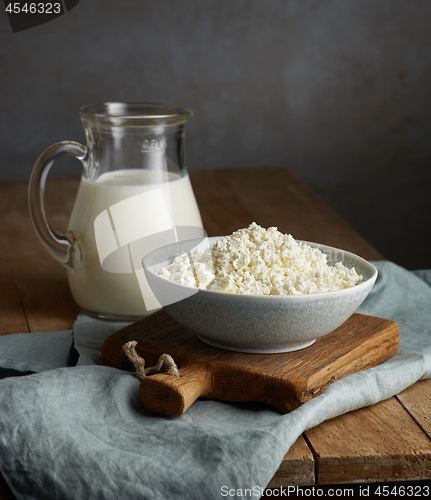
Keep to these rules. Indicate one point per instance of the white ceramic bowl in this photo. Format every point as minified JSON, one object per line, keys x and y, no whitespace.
{"x":258,"y":323}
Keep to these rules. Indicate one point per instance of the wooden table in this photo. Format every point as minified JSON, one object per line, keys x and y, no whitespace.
{"x":388,"y":441}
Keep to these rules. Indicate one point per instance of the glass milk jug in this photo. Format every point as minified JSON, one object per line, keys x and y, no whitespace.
{"x":134,"y":196}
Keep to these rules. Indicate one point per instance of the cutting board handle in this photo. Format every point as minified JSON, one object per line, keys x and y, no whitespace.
{"x":170,"y":395}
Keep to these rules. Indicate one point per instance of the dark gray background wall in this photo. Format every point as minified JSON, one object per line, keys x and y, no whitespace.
{"x":338,"y":90}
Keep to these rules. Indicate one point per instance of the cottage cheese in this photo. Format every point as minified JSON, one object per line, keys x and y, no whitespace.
{"x":259,"y":261}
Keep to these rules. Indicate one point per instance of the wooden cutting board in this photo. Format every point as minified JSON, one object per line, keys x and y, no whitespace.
{"x":284,"y":380}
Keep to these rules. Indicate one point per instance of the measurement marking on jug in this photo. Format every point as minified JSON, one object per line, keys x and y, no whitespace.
{"x":152,"y":144}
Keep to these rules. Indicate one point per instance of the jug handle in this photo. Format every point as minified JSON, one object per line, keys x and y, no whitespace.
{"x":60,"y":246}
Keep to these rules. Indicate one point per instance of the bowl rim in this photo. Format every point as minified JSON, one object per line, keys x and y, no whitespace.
{"x":250,"y":296}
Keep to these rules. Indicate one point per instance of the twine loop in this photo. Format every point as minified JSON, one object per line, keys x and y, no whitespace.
{"x":165,"y":363}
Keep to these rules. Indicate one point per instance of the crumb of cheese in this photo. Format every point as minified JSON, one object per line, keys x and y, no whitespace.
{"x":260,"y":261}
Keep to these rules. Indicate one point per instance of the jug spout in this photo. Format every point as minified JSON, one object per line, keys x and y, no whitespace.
{"x":135,"y":135}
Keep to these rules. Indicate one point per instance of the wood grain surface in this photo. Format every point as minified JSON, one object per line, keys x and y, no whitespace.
{"x":387,"y":443}
{"x":34,"y":296}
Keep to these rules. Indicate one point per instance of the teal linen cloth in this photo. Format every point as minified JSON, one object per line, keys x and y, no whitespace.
{"x":75,"y":429}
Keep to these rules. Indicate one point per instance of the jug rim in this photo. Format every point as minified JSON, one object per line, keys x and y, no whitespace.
{"x":135,"y":112}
